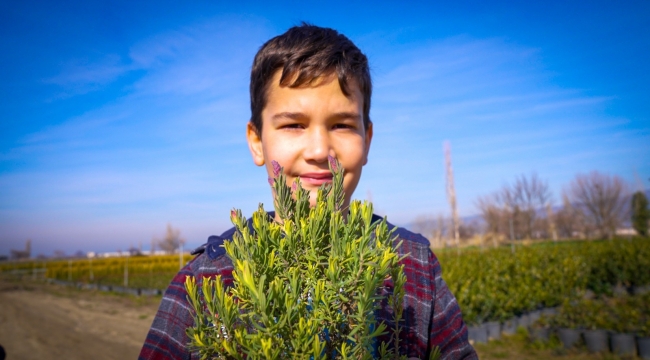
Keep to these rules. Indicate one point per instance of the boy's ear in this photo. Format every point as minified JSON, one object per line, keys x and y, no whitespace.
{"x":255,"y":144}
{"x":368,"y":141}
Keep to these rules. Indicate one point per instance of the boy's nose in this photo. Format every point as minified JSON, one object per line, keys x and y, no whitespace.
{"x":317,"y":146}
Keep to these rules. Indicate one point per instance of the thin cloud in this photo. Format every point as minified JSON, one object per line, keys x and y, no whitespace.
{"x":83,"y":76}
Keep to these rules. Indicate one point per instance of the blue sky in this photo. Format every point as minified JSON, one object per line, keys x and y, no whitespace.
{"x":120,"y":117}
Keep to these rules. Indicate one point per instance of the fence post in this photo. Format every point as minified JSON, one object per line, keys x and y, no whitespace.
{"x":126,"y":272}
{"x":90,"y":265}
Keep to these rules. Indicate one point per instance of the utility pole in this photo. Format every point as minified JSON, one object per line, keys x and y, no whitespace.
{"x":451,"y":193}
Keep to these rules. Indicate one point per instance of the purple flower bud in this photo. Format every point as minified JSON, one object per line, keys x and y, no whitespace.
{"x":271,"y":181}
{"x":233,"y":214}
{"x":294,"y":186}
{"x":332,"y":161}
{"x":276,"y":168}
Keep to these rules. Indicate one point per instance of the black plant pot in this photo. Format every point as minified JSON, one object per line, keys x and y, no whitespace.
{"x":568,"y":337}
{"x":493,"y":330}
{"x":541,"y":334}
{"x":620,"y":290}
{"x":588,"y":295}
{"x":623,"y":344}
{"x":534,"y":316}
{"x":549,"y":312}
{"x":644,"y":347}
{"x":596,"y":340}
{"x":509,"y":327}
{"x":523,"y":321}
{"x":640,"y":290}
{"x":478,"y":334}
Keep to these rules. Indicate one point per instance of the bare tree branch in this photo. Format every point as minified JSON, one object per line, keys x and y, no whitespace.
{"x":172,"y":240}
{"x":601,"y":199}
{"x":523,"y":202}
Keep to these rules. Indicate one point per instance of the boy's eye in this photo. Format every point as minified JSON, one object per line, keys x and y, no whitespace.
{"x":343,"y":126}
{"x":292,"y":126}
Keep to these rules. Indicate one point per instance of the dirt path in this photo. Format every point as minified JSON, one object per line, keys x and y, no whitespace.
{"x":42,"y":321}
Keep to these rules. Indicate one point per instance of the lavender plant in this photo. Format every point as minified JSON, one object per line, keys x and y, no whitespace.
{"x":305,"y":287}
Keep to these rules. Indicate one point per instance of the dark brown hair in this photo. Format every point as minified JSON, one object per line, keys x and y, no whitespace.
{"x":306,"y":53}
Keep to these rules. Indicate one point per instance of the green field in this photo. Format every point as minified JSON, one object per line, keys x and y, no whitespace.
{"x":490,"y":284}
{"x":145,"y":272}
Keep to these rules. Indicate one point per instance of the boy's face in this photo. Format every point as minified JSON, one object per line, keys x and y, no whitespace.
{"x":302,"y":126}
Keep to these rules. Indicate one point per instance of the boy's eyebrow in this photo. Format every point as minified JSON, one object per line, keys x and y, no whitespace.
{"x":346,"y":115}
{"x":289,"y":115}
{"x":300,"y":116}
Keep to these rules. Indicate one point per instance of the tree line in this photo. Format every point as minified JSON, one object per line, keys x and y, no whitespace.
{"x":593,"y":205}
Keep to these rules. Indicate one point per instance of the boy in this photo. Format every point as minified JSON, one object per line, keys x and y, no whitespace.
{"x":310,"y":98}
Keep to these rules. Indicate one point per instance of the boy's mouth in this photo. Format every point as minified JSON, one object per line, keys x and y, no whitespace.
{"x":316,"y":178}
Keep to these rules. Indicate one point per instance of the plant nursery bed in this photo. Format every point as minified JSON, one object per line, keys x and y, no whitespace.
{"x":519,"y":346}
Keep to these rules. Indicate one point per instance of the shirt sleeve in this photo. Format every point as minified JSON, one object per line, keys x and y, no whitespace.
{"x":167,"y":338}
{"x":448,"y":331}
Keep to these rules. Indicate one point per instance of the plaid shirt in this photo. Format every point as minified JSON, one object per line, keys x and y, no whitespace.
{"x":431,"y":315}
